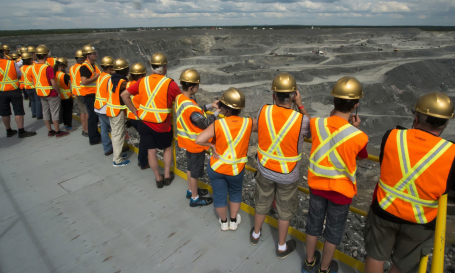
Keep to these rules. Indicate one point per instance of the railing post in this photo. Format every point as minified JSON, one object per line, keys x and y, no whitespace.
{"x":174,"y":129}
{"x":437,"y":264}
{"x":423,"y":264}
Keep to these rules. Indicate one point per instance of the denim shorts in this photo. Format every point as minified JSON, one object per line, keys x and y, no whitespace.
{"x":337,"y":216}
{"x":223,"y":184}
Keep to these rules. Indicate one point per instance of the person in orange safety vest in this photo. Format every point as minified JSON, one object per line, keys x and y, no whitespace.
{"x":75,"y":77}
{"x":63,"y":81}
{"x":417,"y":168}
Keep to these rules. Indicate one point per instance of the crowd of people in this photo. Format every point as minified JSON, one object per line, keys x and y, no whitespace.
{"x":417,"y":165}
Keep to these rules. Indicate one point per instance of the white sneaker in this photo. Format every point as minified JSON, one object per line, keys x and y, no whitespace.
{"x":224,"y":226}
{"x":234,"y":225}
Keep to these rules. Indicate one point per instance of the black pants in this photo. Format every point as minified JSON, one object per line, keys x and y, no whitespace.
{"x":143,"y":154}
{"x":26,"y":96}
{"x":93,"y":134}
{"x":67,"y":112}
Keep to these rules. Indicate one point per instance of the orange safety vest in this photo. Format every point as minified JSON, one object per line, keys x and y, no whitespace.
{"x":65,"y":91}
{"x":91,"y":88}
{"x":8,"y":57}
{"x":26,"y":79}
{"x":232,"y":136}
{"x":75,"y":78}
{"x":8,"y":76}
{"x":136,"y":101}
{"x":18,"y":59}
{"x":414,"y":173}
{"x":51,"y":61}
{"x":278,"y":138}
{"x":42,"y":85}
{"x":153,"y":105}
{"x":102,"y":94}
{"x":333,"y":165}
{"x":113,"y":105}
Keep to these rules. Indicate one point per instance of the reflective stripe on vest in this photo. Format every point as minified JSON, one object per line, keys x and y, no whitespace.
{"x":327,"y":148}
{"x":101,"y":101}
{"x":110,"y":106}
{"x":276,"y":141}
{"x":410,"y":174}
{"x":40,"y":89}
{"x":6,"y":79}
{"x":151,"y":96}
{"x":185,"y":132}
{"x":93,"y":84}
{"x":65,"y":93}
{"x":74,"y":84}
{"x":26,"y":82}
{"x":230,"y":155}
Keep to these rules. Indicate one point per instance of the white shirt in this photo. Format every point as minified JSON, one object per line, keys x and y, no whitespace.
{"x":101,"y":111}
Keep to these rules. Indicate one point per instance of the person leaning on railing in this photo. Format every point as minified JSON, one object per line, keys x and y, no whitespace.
{"x":281,"y":132}
{"x":417,"y":168}
{"x":226,"y":168}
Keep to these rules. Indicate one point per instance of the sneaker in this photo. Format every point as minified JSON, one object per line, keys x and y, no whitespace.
{"x":308,"y":268}
{"x":11,"y":133}
{"x":168,"y":181}
{"x":290,"y":247}
{"x":33,"y":116}
{"x":70,"y":128}
{"x":201,"y":201}
{"x":124,"y":155}
{"x":121,"y":164}
{"x":96,"y":143}
{"x":159,"y":183}
{"x":109,"y":153}
{"x":84,"y":133}
{"x":27,"y":134}
{"x":39,"y":118}
{"x":254,"y":241}
{"x":125,"y":149}
{"x":61,"y":134}
{"x":233,"y":225}
{"x":224,"y":226}
{"x":333,"y":267}
{"x":144,"y":168}
{"x":200,"y":192}
{"x":51,"y":133}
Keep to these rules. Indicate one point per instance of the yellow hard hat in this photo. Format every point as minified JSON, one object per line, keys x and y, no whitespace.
{"x":158,"y":59}
{"x":14,"y":56}
{"x":435,"y":104}
{"x":18,"y":51}
{"x":5,"y":47}
{"x":26,"y":55}
{"x":348,"y":88}
{"x":234,"y":98}
{"x":87,"y":49}
{"x":31,"y":49}
{"x":23,"y":49}
{"x":138,"y":69}
{"x":63,"y":61}
{"x":42,"y":50}
{"x":79,"y":54}
{"x":284,"y":83}
{"x":190,"y":75}
{"x":107,"y":61}
{"x":120,"y":64}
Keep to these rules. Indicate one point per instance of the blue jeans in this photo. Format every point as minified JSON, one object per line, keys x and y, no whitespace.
{"x":38,"y":106}
{"x":222,"y":184}
{"x":105,"y":126}
{"x":31,"y":95}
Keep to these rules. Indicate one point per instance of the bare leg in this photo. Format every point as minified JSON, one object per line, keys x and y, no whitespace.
{"x":192,"y":185}
{"x":327,"y":255}
{"x":153,"y":162}
{"x":48,"y":125}
{"x":56,"y":125}
{"x":234,"y":208}
{"x":84,"y":121}
{"x":7,"y":121}
{"x":222,"y":213}
{"x":19,"y":121}
{"x":258,"y":220}
{"x":394,"y":269}
{"x":167,"y":158}
{"x":311,"y":242}
{"x":282,"y":231}
{"x":374,"y":266}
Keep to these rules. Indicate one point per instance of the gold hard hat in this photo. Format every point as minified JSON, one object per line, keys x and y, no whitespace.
{"x":14,"y":56}
{"x":107,"y":61}
{"x":26,"y":55}
{"x":18,"y":51}
{"x":87,"y":49}
{"x":42,"y":50}
{"x":138,"y":69}
{"x":31,"y":49}
{"x":120,"y":64}
{"x":348,"y":88}
{"x":158,"y":59}
{"x":284,"y":83}
{"x":63,"y":61}
{"x":435,"y":104}
{"x":79,"y":54}
{"x":190,"y":75}
{"x":5,"y":47}
{"x":234,"y":98}
{"x":23,"y":49}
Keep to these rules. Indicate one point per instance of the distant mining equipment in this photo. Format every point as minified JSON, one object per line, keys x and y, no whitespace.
{"x":319,"y":52}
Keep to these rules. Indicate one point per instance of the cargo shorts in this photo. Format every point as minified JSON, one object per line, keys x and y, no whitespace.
{"x":286,"y":196}
{"x":405,"y":243}
{"x":81,"y":105}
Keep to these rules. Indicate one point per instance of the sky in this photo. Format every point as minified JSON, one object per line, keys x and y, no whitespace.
{"x":51,"y":14}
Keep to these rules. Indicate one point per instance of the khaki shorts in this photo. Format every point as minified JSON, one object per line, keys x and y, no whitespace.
{"x":286,"y":196}
{"x":409,"y":243}
{"x":81,"y":105}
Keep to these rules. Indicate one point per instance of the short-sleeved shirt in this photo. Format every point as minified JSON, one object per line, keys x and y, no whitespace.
{"x":50,"y":76}
{"x":85,"y":72}
{"x":172,"y":93}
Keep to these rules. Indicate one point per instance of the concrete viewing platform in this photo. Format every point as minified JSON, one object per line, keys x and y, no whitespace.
{"x":65,"y":208}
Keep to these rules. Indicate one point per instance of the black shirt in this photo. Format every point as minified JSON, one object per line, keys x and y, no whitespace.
{"x":392,"y":218}
{"x":85,"y":72}
{"x":66,"y":78}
